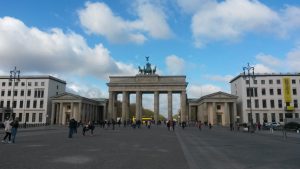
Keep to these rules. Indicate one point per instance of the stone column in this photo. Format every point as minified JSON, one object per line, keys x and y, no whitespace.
{"x":190,"y":112}
{"x":170,"y":106}
{"x":63,"y":115}
{"x":72,"y":114}
{"x":110,"y":106}
{"x":79,"y":111}
{"x":183,"y":106}
{"x":52,"y":113}
{"x":124,"y":106}
{"x":60,"y":121}
{"x":115,"y":107}
{"x":214,"y":114}
{"x":138,"y":105}
{"x":156,"y":106}
{"x":226,"y":114}
{"x":199,"y":113}
{"x":128,"y":106}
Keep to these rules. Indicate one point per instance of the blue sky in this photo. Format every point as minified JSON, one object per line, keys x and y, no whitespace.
{"x":209,"y":41}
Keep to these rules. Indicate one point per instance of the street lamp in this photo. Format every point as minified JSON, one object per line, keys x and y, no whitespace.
{"x":248,"y":75}
{"x":14,"y":76}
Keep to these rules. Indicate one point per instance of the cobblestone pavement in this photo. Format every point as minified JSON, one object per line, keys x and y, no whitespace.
{"x":157,"y":148}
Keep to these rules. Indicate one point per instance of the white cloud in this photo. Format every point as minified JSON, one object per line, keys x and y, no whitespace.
{"x":54,"y":52}
{"x":192,"y":6}
{"x":229,"y":20}
{"x":293,"y":59}
{"x":175,"y":65}
{"x":260,"y":68}
{"x":85,"y":90}
{"x":268,"y":60}
{"x":196,"y":91}
{"x":99,"y":19}
{"x":220,"y":78}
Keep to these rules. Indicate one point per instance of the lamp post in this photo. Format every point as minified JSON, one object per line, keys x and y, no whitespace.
{"x":248,"y":75}
{"x":14,"y":76}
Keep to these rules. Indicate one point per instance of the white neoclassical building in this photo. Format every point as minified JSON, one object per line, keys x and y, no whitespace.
{"x":217,"y":109}
{"x":66,"y":106}
{"x":28,"y":97}
{"x":274,"y":97}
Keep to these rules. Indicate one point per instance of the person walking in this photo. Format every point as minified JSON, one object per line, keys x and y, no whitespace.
{"x":148,"y":124}
{"x":7,"y":128}
{"x":72,"y":127}
{"x":15,"y":126}
{"x":200,"y":125}
{"x":91,"y":127}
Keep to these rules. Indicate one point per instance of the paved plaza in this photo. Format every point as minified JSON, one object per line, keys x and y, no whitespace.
{"x":155,"y":148}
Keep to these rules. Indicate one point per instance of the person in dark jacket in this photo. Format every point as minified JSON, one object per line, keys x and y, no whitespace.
{"x":72,"y":127}
{"x":15,"y":126}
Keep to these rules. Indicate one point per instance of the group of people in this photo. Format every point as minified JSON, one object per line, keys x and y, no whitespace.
{"x":73,"y":125}
{"x":10,"y":127}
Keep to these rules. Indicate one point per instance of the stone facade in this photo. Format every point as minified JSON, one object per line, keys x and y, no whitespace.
{"x":141,"y":84}
{"x":217,"y":109}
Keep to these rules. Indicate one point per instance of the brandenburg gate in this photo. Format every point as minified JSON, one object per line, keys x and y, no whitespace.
{"x":146,"y":82}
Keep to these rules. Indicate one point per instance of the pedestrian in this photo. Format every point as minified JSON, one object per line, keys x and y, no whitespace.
{"x":72,"y":127}
{"x":85,"y":128}
{"x":168,"y":125}
{"x":200,"y":125}
{"x":113,"y":123}
{"x":148,"y":124}
{"x":210,"y":126}
{"x":259,"y":126}
{"x":173,"y":125}
{"x":183,"y":124}
{"x":15,"y":126}
{"x":231,"y":127}
{"x":91,"y":127}
{"x":7,"y":129}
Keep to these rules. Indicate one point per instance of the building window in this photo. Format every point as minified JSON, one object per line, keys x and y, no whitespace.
{"x":271,"y":92}
{"x":57,"y":86}
{"x":22,"y":92}
{"x":8,"y":93}
{"x":287,"y":104}
{"x":296,"y":103}
{"x":34,"y":103}
{"x":22,"y":83}
{"x":20,"y":117}
{"x":15,"y":92}
{"x":38,"y":93}
{"x":33,"y":117}
{"x":264,"y":103}
{"x":29,"y":84}
{"x":40,"y":117}
{"x":41,"y":103}
{"x":15,"y":104}
{"x":294,"y":91}
{"x":28,"y":104}
{"x":254,"y":81}
{"x":28,"y":92}
{"x":21,"y":104}
{"x":293,"y":81}
{"x":272,"y":103}
{"x":2,"y":92}
{"x":3,"y":83}
{"x":248,"y":103}
{"x":35,"y":83}
{"x":251,"y":91}
{"x":297,"y":115}
{"x":279,"y":103}
{"x":281,"y":117}
{"x":16,"y":83}
{"x":1,"y":104}
{"x":42,"y":83}
{"x":273,"y":117}
{"x":278,"y":91}
{"x":270,"y":81}
{"x":8,"y":104}
{"x":257,"y":117}
{"x":265,"y":117}
{"x":262,"y":82}
{"x":256,"y":103}
{"x":263,"y":91}
{"x":9,"y":83}
{"x":27,"y":117}
{"x":278,"y":81}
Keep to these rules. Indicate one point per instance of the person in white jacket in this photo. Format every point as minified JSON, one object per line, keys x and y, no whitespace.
{"x":7,"y":129}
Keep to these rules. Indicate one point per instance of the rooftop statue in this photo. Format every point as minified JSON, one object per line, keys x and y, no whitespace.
{"x":147,"y":70}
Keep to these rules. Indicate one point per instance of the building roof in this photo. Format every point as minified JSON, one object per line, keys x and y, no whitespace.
{"x":266,"y":74}
{"x":77,"y":97}
{"x":215,"y":95}
{"x":37,"y":77}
